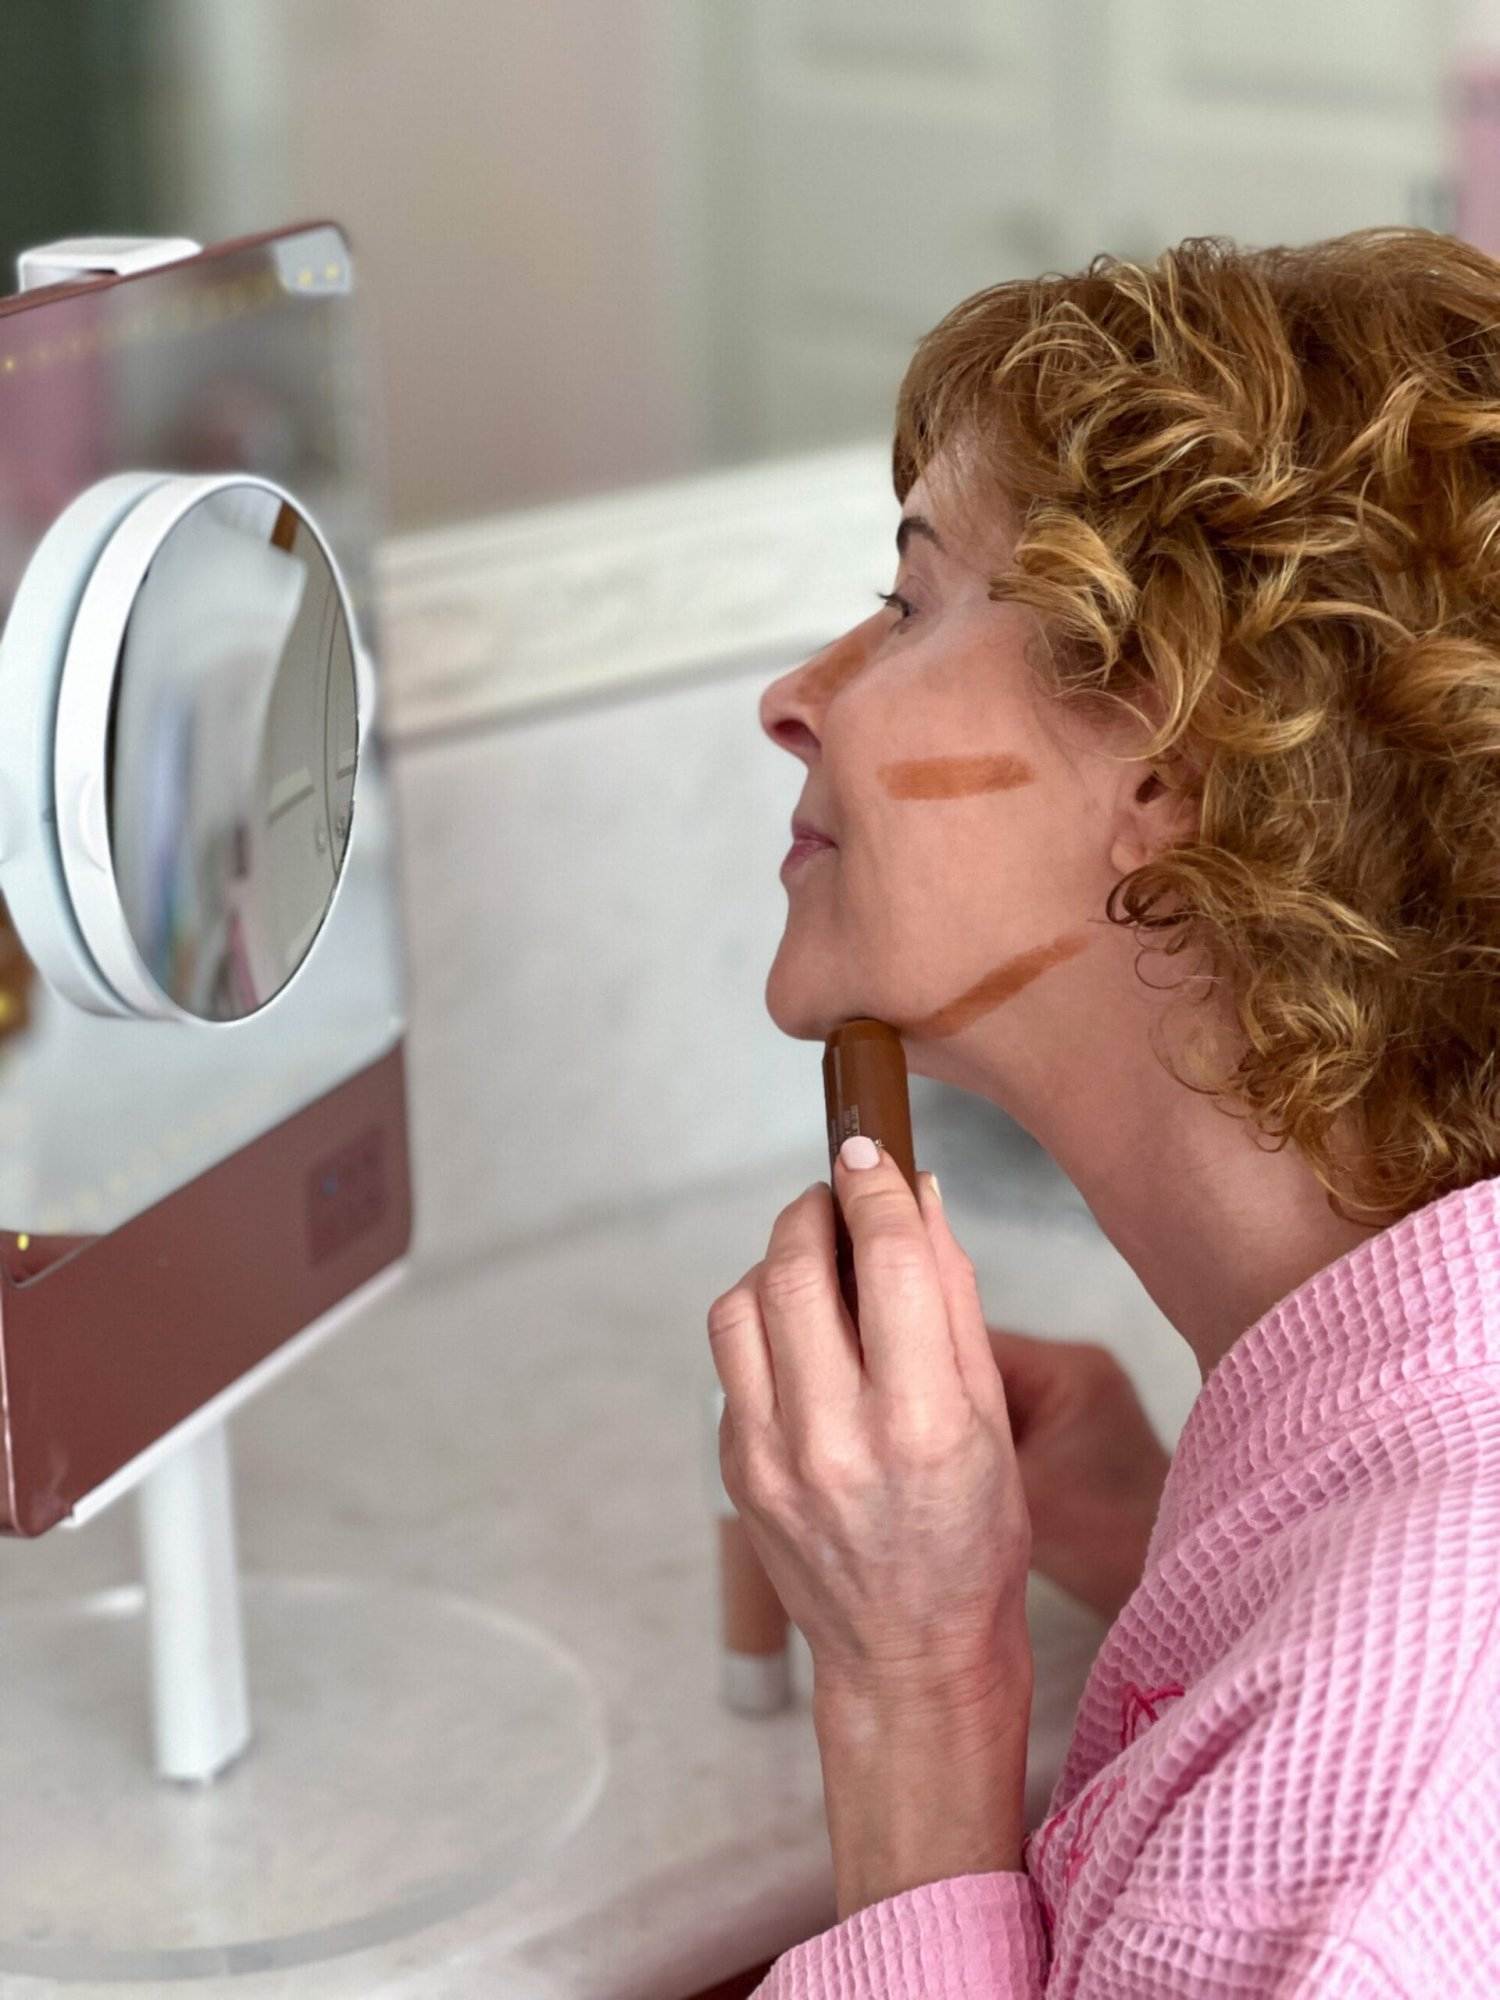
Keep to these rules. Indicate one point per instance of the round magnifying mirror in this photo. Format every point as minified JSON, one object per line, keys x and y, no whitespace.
{"x":203,"y":874}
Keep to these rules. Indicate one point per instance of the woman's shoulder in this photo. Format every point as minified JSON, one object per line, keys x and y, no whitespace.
{"x":1377,"y":1590}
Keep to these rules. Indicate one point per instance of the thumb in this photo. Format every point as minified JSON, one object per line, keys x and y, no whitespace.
{"x":976,"y":1358}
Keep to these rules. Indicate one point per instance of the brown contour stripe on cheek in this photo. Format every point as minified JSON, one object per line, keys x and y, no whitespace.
{"x":996,"y":987}
{"x":954,"y":777}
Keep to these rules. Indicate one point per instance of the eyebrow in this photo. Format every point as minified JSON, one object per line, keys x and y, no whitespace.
{"x":915,"y":524}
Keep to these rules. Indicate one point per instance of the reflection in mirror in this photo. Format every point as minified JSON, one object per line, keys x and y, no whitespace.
{"x":232,"y":752}
{"x":17,"y":976}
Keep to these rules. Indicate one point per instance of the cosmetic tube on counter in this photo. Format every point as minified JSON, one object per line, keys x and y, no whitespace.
{"x":755,"y":1660}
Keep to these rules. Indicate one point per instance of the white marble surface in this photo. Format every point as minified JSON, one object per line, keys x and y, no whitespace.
{"x":526,"y":1430}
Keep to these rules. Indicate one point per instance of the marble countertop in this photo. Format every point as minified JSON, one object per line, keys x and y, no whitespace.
{"x":528,"y":1432}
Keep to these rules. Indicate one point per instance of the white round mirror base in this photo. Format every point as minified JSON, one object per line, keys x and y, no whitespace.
{"x":415,"y":1753}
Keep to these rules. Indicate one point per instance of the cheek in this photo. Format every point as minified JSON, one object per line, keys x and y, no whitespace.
{"x":983,"y":888}
{"x":937,"y":874}
{"x":955,"y":819}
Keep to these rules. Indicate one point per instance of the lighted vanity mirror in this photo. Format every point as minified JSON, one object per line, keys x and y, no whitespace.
{"x":207,"y":729}
{"x":203,"y":1150}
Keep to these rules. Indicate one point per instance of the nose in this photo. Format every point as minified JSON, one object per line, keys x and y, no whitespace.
{"x":793,"y":709}
{"x":785,"y":709}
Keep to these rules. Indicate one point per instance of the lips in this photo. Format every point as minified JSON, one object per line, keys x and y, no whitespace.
{"x":804,"y":830}
{"x":807,"y":840}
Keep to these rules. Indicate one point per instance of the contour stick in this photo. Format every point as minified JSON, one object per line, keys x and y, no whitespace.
{"x":864,"y":1091}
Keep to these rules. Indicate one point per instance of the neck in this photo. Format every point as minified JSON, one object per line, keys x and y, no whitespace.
{"x":1217,"y":1231}
{"x":1217,"y":1228}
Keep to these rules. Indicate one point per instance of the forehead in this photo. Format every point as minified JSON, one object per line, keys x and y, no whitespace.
{"x":976,"y":522}
{"x":957,"y":544}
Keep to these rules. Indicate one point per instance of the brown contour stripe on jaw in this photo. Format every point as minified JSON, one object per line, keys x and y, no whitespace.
{"x":995,"y":988}
{"x":954,"y":777}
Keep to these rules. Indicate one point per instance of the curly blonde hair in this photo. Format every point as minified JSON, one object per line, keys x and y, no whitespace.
{"x":1259,"y":504}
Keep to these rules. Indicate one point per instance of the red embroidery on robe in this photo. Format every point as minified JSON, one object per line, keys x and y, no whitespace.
{"x":1082,"y":1822}
{"x":1139,"y":1708}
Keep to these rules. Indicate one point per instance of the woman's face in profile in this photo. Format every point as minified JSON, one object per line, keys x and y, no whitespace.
{"x":971,"y":824}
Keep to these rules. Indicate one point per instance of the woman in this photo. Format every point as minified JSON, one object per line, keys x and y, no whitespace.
{"x":1164,"y":801}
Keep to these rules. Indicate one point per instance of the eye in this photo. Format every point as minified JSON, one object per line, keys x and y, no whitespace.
{"x":890,"y":597}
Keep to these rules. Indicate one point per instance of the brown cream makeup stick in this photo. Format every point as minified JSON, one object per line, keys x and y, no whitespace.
{"x":755,"y":1675}
{"x":865,"y":1090}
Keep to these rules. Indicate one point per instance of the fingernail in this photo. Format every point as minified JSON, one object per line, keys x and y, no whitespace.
{"x":859,"y":1151}
{"x":932,"y":1181}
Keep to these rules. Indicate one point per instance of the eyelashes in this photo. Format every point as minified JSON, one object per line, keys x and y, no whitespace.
{"x":891,"y":600}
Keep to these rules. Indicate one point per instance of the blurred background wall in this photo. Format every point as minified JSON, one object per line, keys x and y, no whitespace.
{"x":610,"y":241}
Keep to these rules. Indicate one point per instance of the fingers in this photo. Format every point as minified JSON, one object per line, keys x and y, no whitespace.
{"x":814,"y":1350}
{"x":971,"y":1337}
{"x":782,"y":1340}
{"x":737,"y":1342}
{"x":784,"y":1346}
{"x":903,"y":1309}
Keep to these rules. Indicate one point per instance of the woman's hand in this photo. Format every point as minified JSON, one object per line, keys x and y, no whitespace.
{"x":874,"y":1469}
{"x":1091,"y":1464}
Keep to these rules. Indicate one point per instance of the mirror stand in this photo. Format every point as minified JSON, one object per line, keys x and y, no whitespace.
{"x":200,"y":1704}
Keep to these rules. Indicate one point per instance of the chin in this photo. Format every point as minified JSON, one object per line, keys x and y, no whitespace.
{"x":798,"y":1002}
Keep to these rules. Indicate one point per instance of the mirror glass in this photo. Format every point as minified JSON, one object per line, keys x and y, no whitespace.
{"x":232,"y":752}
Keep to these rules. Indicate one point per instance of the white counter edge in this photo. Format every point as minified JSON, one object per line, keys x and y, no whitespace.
{"x":483,"y":620}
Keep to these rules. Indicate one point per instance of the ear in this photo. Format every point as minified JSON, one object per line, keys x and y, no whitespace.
{"x":1151,"y":817}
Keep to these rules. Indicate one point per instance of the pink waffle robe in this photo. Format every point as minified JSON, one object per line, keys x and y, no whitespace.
{"x":1283,"y":1778}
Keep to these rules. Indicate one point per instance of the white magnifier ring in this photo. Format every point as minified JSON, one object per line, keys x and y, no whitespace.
{"x":192,"y":647}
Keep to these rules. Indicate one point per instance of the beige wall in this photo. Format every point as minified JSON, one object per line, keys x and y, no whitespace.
{"x":510,"y":176}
